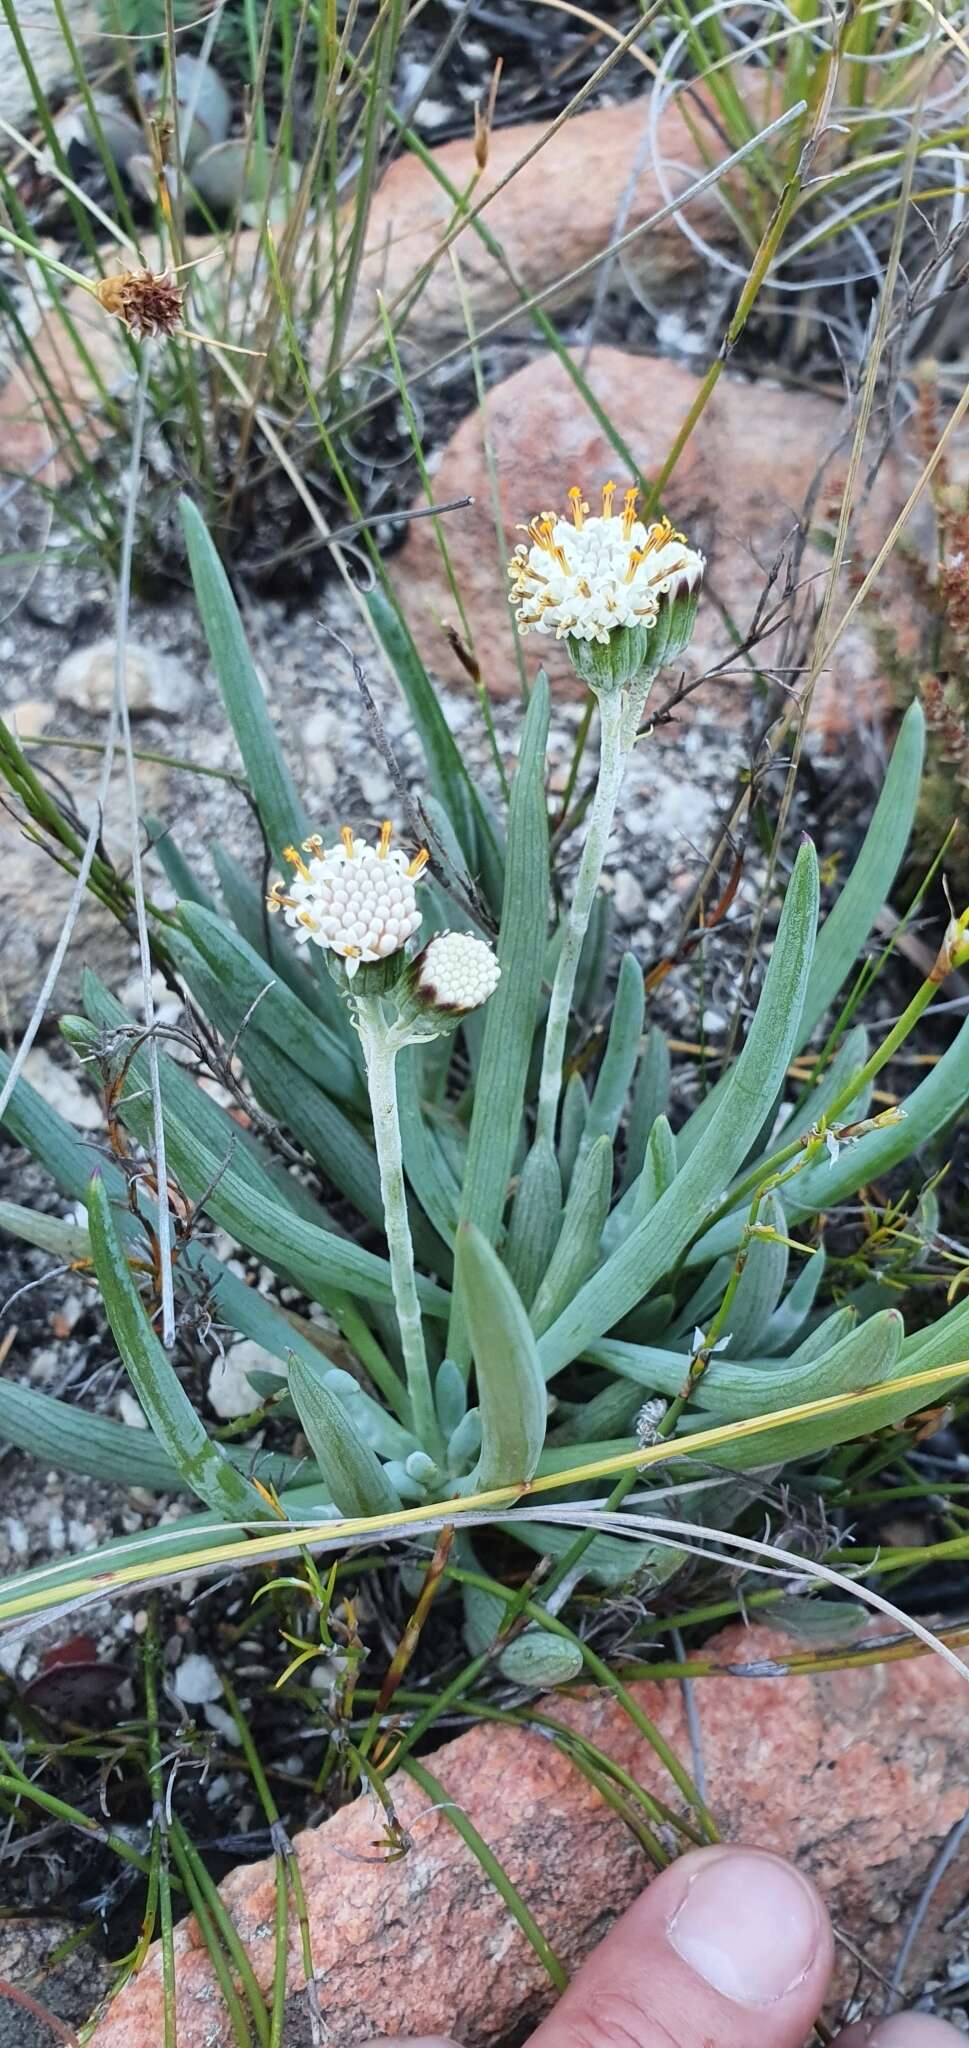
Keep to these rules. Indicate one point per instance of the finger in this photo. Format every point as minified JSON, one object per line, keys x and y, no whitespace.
{"x":903,"y":2030}
{"x":727,"y":1945}
{"x":410,"y":2041}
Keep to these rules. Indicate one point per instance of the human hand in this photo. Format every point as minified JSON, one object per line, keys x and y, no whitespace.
{"x":728,"y":1948}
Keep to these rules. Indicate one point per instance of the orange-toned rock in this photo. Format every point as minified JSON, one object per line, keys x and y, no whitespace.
{"x":741,"y":486}
{"x":554,"y":214}
{"x":66,"y":390}
{"x":859,"y":1775}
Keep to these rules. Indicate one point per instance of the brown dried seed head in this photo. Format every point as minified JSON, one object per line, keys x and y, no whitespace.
{"x":148,"y":302}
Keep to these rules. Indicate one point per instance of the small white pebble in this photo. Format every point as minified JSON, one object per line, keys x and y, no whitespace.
{"x":131,"y":1411}
{"x":197,"y":1681}
{"x":221,"y":1720}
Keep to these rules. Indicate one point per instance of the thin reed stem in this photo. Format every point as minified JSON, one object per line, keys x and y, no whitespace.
{"x":612,"y":761}
{"x":380,"y":1056}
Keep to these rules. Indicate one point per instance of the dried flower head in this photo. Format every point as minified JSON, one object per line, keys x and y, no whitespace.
{"x":352,"y":899}
{"x":148,"y":302}
{"x":456,"y":972}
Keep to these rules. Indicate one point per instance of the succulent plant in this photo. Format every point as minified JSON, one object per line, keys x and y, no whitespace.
{"x":521,"y":1288}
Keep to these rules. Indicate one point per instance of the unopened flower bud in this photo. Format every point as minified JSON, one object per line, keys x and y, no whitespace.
{"x":454,"y":974}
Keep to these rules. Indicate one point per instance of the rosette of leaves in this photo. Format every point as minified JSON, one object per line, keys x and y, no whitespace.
{"x":562,"y":1285}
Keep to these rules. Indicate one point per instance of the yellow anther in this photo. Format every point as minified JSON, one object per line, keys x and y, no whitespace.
{"x":351,"y":952}
{"x":306,"y":917}
{"x":583,"y":588}
{"x":346,"y":834}
{"x":276,"y":900}
{"x":295,"y":858}
{"x":662,"y":574}
{"x":608,"y":493}
{"x":542,"y":531}
{"x":313,"y":844}
{"x":383,"y":844}
{"x":636,"y":556}
{"x":579,"y":509}
{"x":660,"y":535}
{"x":418,"y":864}
{"x":629,"y":511}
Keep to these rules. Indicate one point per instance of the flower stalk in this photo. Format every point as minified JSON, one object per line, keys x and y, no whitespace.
{"x":381,"y":1043}
{"x":358,"y":903}
{"x":601,"y":818}
{"x":623,"y":598}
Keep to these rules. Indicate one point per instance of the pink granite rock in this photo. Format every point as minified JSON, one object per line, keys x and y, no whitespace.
{"x":857,"y":1774}
{"x":554,"y":214}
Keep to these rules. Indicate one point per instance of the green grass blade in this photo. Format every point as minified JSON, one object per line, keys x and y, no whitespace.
{"x":512,"y":1010}
{"x":280,"y":808}
{"x":328,"y":1055}
{"x":576,"y":1254}
{"x":425,"y":1165}
{"x":53,"y":1142}
{"x":536,"y":1220}
{"x":65,"y":1241}
{"x":761,"y":1284}
{"x":934,"y":1104}
{"x":653,"y":1247}
{"x":847,"y":926}
{"x":242,"y":1197}
{"x":204,"y":1467}
{"x":511,"y":1391}
{"x":351,"y":1474}
{"x":72,"y":1440}
{"x":93,"y":1446}
{"x":793,"y":1311}
{"x":177,"y":870}
{"x":651,"y":1094}
{"x":447,"y":770}
{"x":843,"y":934}
{"x":620,"y":1056}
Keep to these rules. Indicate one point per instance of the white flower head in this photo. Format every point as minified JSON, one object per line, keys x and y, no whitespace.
{"x":456,"y":972}
{"x":352,"y":899}
{"x":583,"y":579}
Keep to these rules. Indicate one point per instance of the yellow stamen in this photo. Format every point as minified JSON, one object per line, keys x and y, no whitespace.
{"x":277,"y":901}
{"x":346,"y":834}
{"x":662,"y":574}
{"x":313,"y":844}
{"x":636,"y":556}
{"x":660,"y":535}
{"x":629,"y":511}
{"x":608,"y":493}
{"x":351,"y":952}
{"x":383,"y":844}
{"x":306,"y":917}
{"x":542,"y":531}
{"x":584,"y":588}
{"x":418,"y":864}
{"x":579,"y":510}
{"x":296,"y":860}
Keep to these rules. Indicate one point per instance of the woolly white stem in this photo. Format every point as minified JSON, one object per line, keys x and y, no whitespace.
{"x":380,"y":1046}
{"x":602,"y":812}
